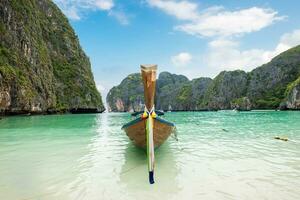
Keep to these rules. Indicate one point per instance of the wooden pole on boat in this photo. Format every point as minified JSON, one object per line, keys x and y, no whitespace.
{"x":149,"y":81}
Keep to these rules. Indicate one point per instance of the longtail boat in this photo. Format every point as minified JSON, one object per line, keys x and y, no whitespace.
{"x":148,"y":130}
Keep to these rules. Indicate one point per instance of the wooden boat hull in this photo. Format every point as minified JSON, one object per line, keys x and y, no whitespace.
{"x":136,"y":131}
{"x":149,"y":131}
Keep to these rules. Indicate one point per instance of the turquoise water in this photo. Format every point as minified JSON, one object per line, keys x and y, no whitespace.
{"x":219,"y":155}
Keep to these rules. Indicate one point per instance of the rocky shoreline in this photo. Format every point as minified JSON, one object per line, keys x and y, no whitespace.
{"x":51,"y":112}
{"x":271,"y":110}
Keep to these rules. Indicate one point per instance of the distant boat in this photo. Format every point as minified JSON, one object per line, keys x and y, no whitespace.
{"x":148,"y":130}
{"x":170,"y":108}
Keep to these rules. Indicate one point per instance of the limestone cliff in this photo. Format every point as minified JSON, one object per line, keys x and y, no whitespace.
{"x":128,"y":96}
{"x":292,"y":100}
{"x":241,"y":104}
{"x":266,"y":87}
{"x":225,"y":88}
{"x":42,"y":66}
{"x":167,"y":90}
{"x":269,"y":82}
{"x":191,"y":94}
{"x":173,"y":92}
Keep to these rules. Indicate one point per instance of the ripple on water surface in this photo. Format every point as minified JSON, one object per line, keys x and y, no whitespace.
{"x":219,"y":155}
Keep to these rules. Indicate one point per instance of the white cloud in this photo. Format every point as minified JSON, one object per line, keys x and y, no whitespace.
{"x":120,"y":16}
{"x":183,"y":10}
{"x":216,"y":21}
{"x":75,"y":9}
{"x":72,"y":13}
{"x":182,"y":59}
{"x":219,"y":22}
{"x":287,"y":41}
{"x":103,"y":4}
{"x":100,"y":87}
{"x":225,"y":54}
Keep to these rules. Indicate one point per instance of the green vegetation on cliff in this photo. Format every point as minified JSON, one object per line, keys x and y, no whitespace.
{"x":268,"y":83}
{"x":173,"y":92}
{"x":42,"y":66}
{"x":225,"y":87}
{"x":191,"y":95}
{"x":128,"y":96}
{"x":292,"y":96}
{"x":184,"y":96}
{"x":168,"y":89}
{"x":291,"y":86}
{"x":265,"y":87}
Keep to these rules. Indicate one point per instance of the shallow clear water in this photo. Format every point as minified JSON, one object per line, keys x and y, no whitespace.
{"x":219,"y":155}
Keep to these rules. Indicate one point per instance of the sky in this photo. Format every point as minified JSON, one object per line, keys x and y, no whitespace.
{"x":195,"y":38}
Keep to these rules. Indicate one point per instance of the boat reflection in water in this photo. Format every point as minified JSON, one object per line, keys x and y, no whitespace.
{"x":134,"y":181}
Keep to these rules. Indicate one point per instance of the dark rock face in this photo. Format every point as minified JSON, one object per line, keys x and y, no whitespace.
{"x":42,"y":66}
{"x":226,"y":87}
{"x":191,"y":95}
{"x":84,"y":110}
{"x":270,"y":86}
{"x":173,"y":92}
{"x":241,"y":104}
{"x":128,"y":96}
{"x":168,"y":88}
{"x":292,"y":96}
{"x":268,"y":83}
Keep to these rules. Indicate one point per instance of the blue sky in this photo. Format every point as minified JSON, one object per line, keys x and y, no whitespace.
{"x":194,"y":38}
